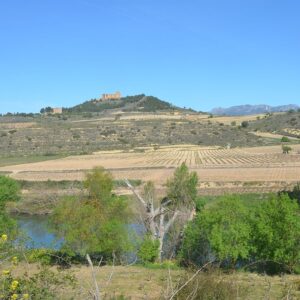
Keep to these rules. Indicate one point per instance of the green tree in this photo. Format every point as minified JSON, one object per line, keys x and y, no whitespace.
{"x":161,"y":217}
{"x":96,"y":223}
{"x":99,"y":184}
{"x":286,"y":149}
{"x":245,"y":124}
{"x":294,"y":193}
{"x":148,"y":251}
{"x":9,"y":190}
{"x":277,"y":231}
{"x":222,"y":231}
{"x":47,"y":109}
{"x":182,"y":187}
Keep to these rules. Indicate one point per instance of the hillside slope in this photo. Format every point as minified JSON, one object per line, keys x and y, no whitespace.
{"x":285,"y":124}
{"x":140,"y":102}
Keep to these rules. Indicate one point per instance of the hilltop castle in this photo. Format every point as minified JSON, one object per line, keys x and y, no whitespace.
{"x":115,"y":96}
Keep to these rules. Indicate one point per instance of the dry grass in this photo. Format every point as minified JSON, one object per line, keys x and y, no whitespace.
{"x":18,"y":125}
{"x":143,"y":283}
{"x":238,"y":119}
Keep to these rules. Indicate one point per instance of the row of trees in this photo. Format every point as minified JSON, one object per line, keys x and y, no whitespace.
{"x":100,"y":222}
{"x":229,"y":232}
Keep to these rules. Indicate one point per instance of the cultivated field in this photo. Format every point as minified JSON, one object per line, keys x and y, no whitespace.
{"x":217,"y":168}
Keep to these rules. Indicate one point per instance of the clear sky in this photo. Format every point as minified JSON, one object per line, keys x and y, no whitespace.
{"x":193,"y":53}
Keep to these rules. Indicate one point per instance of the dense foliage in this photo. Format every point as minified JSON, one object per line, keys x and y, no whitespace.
{"x":182,"y":186}
{"x":233,"y":233}
{"x":9,"y":190}
{"x":96,"y":223}
{"x":277,"y":231}
{"x":148,"y":251}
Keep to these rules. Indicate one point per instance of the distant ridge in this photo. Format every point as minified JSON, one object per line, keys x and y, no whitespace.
{"x":241,"y":110}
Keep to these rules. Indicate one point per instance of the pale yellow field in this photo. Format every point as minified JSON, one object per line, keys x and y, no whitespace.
{"x":238,"y":119}
{"x":265,"y":164}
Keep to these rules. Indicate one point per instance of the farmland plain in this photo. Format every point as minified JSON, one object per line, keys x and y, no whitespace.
{"x":219,"y":169}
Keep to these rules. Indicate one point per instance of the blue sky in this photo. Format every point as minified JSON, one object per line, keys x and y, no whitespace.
{"x":198,"y":54}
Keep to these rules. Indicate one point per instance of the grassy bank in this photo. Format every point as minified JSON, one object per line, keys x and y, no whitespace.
{"x":137,"y":282}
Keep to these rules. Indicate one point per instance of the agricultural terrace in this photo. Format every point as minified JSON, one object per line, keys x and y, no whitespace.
{"x":216,"y":167}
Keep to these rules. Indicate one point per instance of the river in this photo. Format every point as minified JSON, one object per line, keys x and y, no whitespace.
{"x":37,"y":233}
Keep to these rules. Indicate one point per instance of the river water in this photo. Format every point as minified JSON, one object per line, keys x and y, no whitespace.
{"x":36,"y":231}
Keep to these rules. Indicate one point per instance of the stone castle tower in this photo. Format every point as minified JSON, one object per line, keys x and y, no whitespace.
{"x":115,"y":96}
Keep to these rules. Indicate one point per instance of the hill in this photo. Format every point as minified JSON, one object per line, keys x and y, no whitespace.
{"x":140,"y":103}
{"x":242,"y":110}
{"x":285,"y":124}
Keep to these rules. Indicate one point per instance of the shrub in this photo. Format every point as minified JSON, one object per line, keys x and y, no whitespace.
{"x":277,"y":231}
{"x":182,"y":187}
{"x":233,"y":234}
{"x":286,"y":149}
{"x":285,"y":139}
{"x":222,"y":231}
{"x":245,"y":124}
{"x":41,"y":255}
{"x":148,"y":251}
{"x":9,"y":190}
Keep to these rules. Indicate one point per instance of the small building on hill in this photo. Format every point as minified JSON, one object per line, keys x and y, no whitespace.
{"x":57,"y":110}
{"x":115,"y":96}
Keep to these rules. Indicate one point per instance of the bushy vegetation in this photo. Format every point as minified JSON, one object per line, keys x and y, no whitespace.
{"x":130,"y":103}
{"x":9,"y":191}
{"x":44,"y":284}
{"x":96,"y":223}
{"x":251,"y":232}
{"x":233,"y":234}
{"x":286,"y":149}
{"x":148,"y":251}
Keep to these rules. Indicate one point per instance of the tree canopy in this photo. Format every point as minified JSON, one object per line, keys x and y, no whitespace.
{"x":230,"y":231}
{"x":9,"y":190}
{"x":96,"y":223}
{"x":182,"y":187}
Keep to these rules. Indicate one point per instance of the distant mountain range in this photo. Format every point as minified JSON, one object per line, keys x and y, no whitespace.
{"x":247,"y":109}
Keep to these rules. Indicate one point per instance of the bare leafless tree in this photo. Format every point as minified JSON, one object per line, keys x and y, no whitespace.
{"x":159,"y":217}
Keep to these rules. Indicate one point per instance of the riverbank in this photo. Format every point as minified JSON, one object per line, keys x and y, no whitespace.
{"x":41,"y":197}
